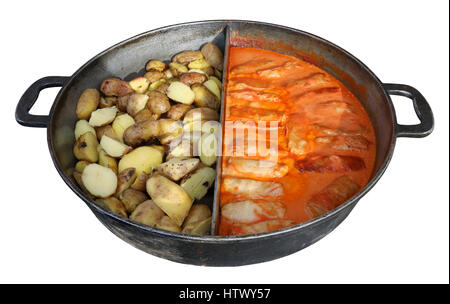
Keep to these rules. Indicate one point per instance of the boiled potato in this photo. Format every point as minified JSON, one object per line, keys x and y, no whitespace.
{"x":107,"y":102}
{"x":208,"y":149}
{"x":115,"y":87}
{"x":103,"y":116}
{"x":114,"y":147}
{"x":217,"y":81}
{"x":158,"y":102}
{"x":208,"y":71}
{"x":198,"y":183}
{"x":199,"y":71}
{"x":122,"y":103}
{"x":141,"y":131}
{"x":140,"y":182}
{"x":213,"y":55}
{"x":121,"y":123}
{"x":183,"y":150}
{"x":187,"y":56}
{"x":155,"y":65}
{"x":193,"y":126}
{"x":107,"y":161}
{"x":125,"y":179}
{"x":199,"y":64}
{"x":218,"y":73}
{"x":177,"y":168}
{"x":196,"y":219}
{"x":87,"y":103}
{"x":213,"y":87}
{"x":144,"y":114}
{"x":136,"y":102}
{"x":139,"y":84}
{"x":132,"y":198}
{"x":85,"y":148}
{"x":153,"y":76}
{"x":212,"y":127}
{"x":155,"y":85}
{"x":170,"y":126}
{"x":176,"y":70}
{"x":147,"y":213}
{"x":177,"y":111}
{"x":106,"y":130}
{"x":166,"y":223}
{"x":193,"y":78}
{"x":80,"y":165}
{"x":168,"y":74}
{"x":81,"y":127}
{"x":202,"y":114}
{"x":144,"y":159}
{"x":77,"y":177}
{"x":204,"y":97}
{"x":180,"y":92}
{"x":112,"y":204}
{"x":170,"y":197}
{"x":99,"y":181}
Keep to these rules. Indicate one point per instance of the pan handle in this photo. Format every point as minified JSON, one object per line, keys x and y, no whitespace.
{"x":30,"y":96}
{"x":421,"y":107}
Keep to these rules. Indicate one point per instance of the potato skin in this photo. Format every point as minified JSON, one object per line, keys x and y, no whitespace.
{"x":197,"y":214}
{"x":155,"y":65}
{"x":122,"y":103}
{"x":115,"y":87}
{"x":141,"y":131}
{"x":132,"y":198}
{"x":153,"y":75}
{"x":178,"y":111}
{"x":85,"y":148}
{"x":107,"y":161}
{"x":186,"y":57}
{"x":106,"y":102}
{"x":112,"y":204}
{"x":87,"y":103}
{"x":213,"y":55}
{"x":143,"y":114}
{"x":163,"y":87}
{"x":204,"y":97}
{"x":144,"y":159}
{"x":158,"y":102}
{"x":147,"y":213}
{"x":125,"y":179}
{"x":177,"y":168}
{"x":106,"y":130}
{"x":203,"y":114}
{"x":166,"y":223}
{"x":80,"y":165}
{"x":193,"y":78}
{"x":140,"y":182}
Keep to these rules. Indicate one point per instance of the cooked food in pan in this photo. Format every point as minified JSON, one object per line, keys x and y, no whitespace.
{"x":296,"y":145}
{"x":135,"y":141}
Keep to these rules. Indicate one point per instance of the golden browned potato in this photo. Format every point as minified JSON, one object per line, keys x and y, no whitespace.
{"x":204,"y":97}
{"x":99,"y":181}
{"x":140,"y":84}
{"x":115,"y":87}
{"x":132,"y":198}
{"x":136,"y":102}
{"x":196,"y":219}
{"x":144,"y":114}
{"x":85,"y":148}
{"x":147,"y":213}
{"x":170,"y":197}
{"x":144,"y":159}
{"x":107,"y":161}
{"x":198,"y":183}
{"x":112,"y":204}
{"x":81,"y":127}
{"x":122,"y":103}
{"x":176,"y":70}
{"x":140,"y":182}
{"x":107,"y":102}
{"x":199,"y":64}
{"x":166,"y":223}
{"x":80,"y":165}
{"x":213,"y":55}
{"x":102,"y":117}
{"x":155,"y":65}
{"x":141,"y":131}
{"x":114,"y":147}
{"x":177,"y":111}
{"x":180,"y":92}
{"x":87,"y":103}
{"x":187,"y":56}
{"x":153,"y":76}
{"x":193,"y":78}
{"x":201,"y":114}
{"x":155,"y":85}
{"x":125,"y":179}
{"x":177,"y":168}
{"x":106,"y":130}
{"x":158,"y":102}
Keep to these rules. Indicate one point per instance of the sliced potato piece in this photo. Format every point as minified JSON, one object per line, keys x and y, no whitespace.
{"x":158,"y":102}
{"x":199,"y":64}
{"x":144,"y":114}
{"x":198,"y":183}
{"x":212,"y":127}
{"x":112,"y":204}
{"x":125,"y":179}
{"x":144,"y":159}
{"x":208,"y":149}
{"x":121,"y":123}
{"x":85,"y":148}
{"x":202,"y":227}
{"x":87,"y":103}
{"x":80,"y":165}
{"x":155,"y":85}
{"x":81,"y":127}
{"x":196,"y":217}
{"x":168,"y":74}
{"x":213,"y":55}
{"x":147,"y":213}
{"x":99,"y":181}
{"x":115,"y":87}
{"x":136,"y":102}
{"x":177,"y":168}
{"x":140,"y":182}
{"x":132,"y":198}
{"x":193,"y":78}
{"x":198,"y":71}
{"x":141,"y":131}
{"x":187,"y":56}
{"x":176,"y":70}
{"x":217,"y":81}
{"x":180,"y":92}
{"x":155,"y":65}
{"x":183,"y":150}
{"x":213,"y":87}
{"x":170,"y":197}
{"x":103,"y":116}
{"x":201,"y":114}
{"x":139,"y":84}
{"x":122,"y":103}
{"x":166,"y":223}
{"x":106,"y":130}
{"x":114,"y":147}
{"x":204,"y":97}
{"x":77,"y":177}
{"x":153,"y":76}
{"x":177,"y":111}
{"x":107,"y":161}
{"x":107,"y":102}
{"x":218,"y":73}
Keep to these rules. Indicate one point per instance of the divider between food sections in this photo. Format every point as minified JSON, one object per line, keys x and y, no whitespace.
{"x":216,"y":202}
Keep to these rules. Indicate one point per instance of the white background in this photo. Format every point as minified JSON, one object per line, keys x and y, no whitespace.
{"x":398,"y":233}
